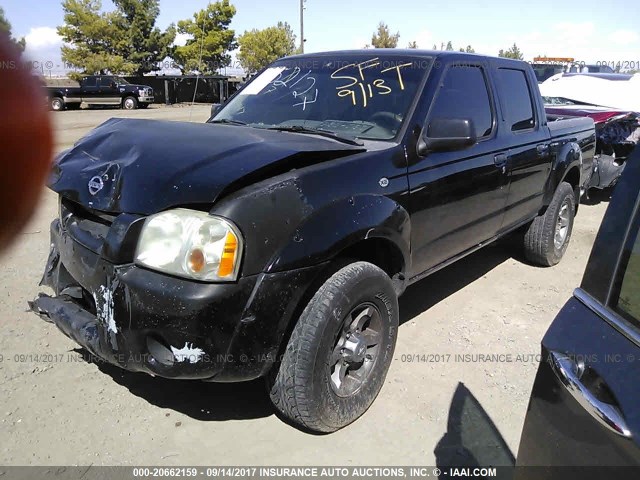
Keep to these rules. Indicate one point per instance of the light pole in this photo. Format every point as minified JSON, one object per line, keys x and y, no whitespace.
{"x":302,"y":25}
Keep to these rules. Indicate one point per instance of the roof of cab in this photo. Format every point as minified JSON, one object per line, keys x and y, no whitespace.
{"x":388,"y":52}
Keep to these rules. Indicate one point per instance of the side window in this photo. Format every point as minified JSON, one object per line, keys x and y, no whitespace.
{"x":628,"y":302}
{"x":90,"y":82}
{"x":516,"y":98}
{"x":464,"y":94}
{"x":105,"y":81}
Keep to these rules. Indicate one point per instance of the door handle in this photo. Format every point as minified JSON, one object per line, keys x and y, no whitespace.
{"x":569,"y":372}
{"x":500,"y":159}
{"x":542,"y":148}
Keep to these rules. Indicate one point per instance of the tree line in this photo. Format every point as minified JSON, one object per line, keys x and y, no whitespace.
{"x":127,"y":40}
{"x":383,"y":38}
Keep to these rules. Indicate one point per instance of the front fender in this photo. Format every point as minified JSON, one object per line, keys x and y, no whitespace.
{"x":569,"y":156}
{"x":342,"y":224}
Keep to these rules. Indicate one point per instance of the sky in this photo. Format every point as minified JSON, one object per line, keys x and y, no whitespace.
{"x":587,"y":30}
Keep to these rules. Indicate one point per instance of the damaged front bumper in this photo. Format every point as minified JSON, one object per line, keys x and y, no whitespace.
{"x":149,"y":322}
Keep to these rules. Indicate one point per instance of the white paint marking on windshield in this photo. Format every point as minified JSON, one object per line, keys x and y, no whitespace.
{"x":262,"y":81}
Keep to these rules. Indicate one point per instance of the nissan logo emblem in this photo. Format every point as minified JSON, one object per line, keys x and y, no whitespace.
{"x":95,"y":185}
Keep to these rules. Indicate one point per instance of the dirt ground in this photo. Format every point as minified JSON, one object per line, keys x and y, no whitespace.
{"x":60,"y":410}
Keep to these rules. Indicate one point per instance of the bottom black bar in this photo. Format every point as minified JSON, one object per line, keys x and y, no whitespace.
{"x":294,"y":473}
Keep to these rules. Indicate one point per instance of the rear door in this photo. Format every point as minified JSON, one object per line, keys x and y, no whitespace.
{"x":584,"y":407}
{"x":529,"y":162}
{"x":457,"y":198}
{"x":89,"y":88}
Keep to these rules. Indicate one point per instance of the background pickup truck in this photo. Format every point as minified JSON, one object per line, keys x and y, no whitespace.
{"x":274,"y":240}
{"x":100,"y":90}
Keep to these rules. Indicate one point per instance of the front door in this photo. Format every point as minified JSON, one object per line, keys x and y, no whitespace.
{"x":458,"y":198}
{"x":108,"y":93}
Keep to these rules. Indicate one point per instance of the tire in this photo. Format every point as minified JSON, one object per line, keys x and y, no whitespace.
{"x":547,"y":238}
{"x":130,"y":103}
{"x":315,"y":385}
{"x":57,"y":104}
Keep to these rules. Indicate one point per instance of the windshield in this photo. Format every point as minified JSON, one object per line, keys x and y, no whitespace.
{"x":544,"y":71}
{"x":121,"y":81}
{"x":361,"y":96}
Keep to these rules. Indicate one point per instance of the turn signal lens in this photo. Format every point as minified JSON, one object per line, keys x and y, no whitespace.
{"x":228,"y":259}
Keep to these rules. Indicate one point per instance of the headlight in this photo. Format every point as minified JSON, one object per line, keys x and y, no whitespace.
{"x":190,"y":244}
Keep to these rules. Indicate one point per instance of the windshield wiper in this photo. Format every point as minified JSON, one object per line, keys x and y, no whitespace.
{"x":228,"y":122}
{"x":317,"y":131}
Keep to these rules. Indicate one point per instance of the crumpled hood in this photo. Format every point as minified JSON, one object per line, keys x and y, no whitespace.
{"x":146,"y":166}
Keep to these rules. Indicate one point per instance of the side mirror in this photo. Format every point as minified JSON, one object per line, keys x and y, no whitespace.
{"x":215,"y":108}
{"x":446,"y":135}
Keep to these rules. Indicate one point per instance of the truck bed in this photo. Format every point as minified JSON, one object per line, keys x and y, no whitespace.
{"x":562,"y":127}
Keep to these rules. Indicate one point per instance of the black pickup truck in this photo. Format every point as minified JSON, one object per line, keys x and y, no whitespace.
{"x":100,"y":90}
{"x":274,"y":240}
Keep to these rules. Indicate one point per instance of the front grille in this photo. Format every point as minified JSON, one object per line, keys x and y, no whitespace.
{"x":87,"y":226}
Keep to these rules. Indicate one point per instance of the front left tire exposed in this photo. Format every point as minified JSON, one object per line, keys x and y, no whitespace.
{"x":130,"y":103}
{"x":339,"y":352}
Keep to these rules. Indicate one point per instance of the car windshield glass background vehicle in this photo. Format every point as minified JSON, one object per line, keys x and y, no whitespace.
{"x":362,"y":96}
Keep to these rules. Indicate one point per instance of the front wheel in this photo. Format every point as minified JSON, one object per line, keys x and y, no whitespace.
{"x":547,"y":238}
{"x":130,"y":103}
{"x":339,"y":352}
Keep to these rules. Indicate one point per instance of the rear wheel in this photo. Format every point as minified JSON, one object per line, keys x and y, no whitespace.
{"x":57,"y":104}
{"x":130,"y":103}
{"x":339,"y":352}
{"x":547,"y":238}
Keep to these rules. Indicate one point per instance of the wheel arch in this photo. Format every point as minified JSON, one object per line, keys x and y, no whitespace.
{"x":567,"y":167}
{"x":368,"y":228}
{"x":572,"y":177}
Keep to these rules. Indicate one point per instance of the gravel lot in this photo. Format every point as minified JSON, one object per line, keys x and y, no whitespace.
{"x":489,"y":303}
